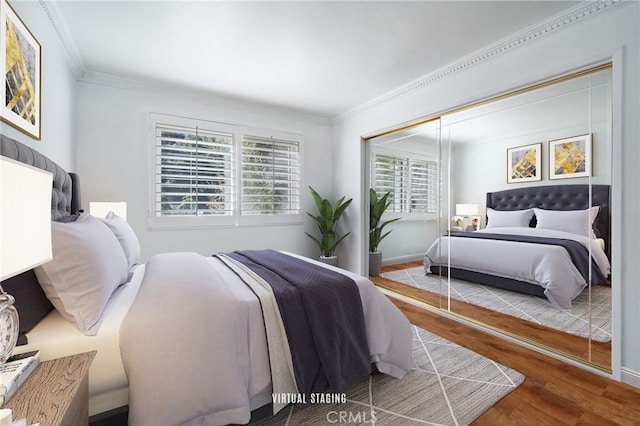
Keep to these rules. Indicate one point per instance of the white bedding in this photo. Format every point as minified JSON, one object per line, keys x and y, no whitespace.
{"x":547,"y":266}
{"x":55,"y":336}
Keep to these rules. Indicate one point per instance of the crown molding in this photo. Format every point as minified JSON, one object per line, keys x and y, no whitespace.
{"x":85,"y":75}
{"x":59,"y":27}
{"x":577,"y":127}
{"x":570,"y":17}
{"x":198,"y":96}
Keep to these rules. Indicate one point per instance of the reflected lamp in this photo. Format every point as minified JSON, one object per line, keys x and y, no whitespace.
{"x":466,"y":211}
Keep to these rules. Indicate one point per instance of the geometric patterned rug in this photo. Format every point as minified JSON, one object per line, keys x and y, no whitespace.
{"x":450,"y":386}
{"x":529,"y":308}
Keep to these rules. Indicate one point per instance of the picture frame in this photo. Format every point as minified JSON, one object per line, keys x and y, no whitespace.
{"x":524,"y":163}
{"x":476,"y":222}
{"x":570,"y":157}
{"x":21,"y":59}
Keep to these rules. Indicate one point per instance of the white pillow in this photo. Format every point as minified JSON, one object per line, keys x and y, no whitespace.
{"x":126,"y":237}
{"x":578,"y":222}
{"x":88,"y":265}
{"x":513,"y":218}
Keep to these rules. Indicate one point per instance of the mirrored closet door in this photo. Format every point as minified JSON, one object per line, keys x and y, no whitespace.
{"x":519,"y":222}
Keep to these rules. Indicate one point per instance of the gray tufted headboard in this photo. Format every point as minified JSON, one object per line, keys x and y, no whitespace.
{"x":559,"y":197}
{"x":30,"y":301}
{"x":65,"y":197}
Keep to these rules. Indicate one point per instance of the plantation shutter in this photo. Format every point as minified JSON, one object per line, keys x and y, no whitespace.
{"x":412,"y":183}
{"x":423,"y":183}
{"x":193,"y":171}
{"x":270,"y":175}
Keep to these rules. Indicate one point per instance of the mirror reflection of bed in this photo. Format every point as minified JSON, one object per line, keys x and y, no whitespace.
{"x":522,"y":263}
{"x":471,"y":146}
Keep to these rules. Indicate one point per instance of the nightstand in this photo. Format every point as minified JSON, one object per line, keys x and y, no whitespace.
{"x":56,"y":393}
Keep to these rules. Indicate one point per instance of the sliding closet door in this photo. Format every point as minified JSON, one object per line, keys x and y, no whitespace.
{"x":556,"y":135}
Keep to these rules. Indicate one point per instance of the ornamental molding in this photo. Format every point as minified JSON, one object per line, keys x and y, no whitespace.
{"x":199,"y":96}
{"x":57,"y":24}
{"x":570,"y":17}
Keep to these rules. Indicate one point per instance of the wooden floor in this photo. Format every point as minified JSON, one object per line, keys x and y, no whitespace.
{"x":553,"y":393}
{"x":595,"y":352}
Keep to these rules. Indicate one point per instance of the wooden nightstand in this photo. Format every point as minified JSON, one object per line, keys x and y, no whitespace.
{"x":57,"y":393}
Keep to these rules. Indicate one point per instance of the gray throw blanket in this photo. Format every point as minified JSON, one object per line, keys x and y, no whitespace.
{"x":315,"y":304}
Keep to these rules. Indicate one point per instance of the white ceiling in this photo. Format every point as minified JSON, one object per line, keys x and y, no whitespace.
{"x":323,"y":58}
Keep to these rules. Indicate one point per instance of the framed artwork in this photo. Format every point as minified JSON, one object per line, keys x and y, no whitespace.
{"x":570,"y":157}
{"x":524,"y":163}
{"x":475,"y":222}
{"x":21,"y":61}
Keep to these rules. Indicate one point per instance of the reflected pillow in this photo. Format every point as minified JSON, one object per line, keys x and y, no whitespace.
{"x":578,"y":222}
{"x":126,"y":237}
{"x":88,"y":265}
{"x":513,"y":218}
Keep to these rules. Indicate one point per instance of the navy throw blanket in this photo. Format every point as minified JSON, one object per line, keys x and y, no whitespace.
{"x":579,"y":253}
{"x":323,"y":317}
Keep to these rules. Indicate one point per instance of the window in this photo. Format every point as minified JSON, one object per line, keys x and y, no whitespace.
{"x":270,"y":176}
{"x":208,"y":174}
{"x":194,"y":173}
{"x":411,"y":181}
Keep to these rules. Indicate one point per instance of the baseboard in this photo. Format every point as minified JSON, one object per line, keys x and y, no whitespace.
{"x":630,"y":377}
{"x":402,"y":259}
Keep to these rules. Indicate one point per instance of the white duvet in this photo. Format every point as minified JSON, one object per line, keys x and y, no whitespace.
{"x":545,"y":265}
{"x":194,"y":346}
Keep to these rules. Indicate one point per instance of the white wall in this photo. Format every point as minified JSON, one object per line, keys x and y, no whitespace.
{"x":58,"y":93}
{"x":612,"y":34}
{"x":113,"y":158}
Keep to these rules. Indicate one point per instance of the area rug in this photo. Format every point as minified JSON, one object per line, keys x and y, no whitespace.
{"x":450,"y":386}
{"x":530,"y":308}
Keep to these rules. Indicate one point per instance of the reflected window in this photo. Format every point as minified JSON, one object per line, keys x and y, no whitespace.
{"x":412,"y":182}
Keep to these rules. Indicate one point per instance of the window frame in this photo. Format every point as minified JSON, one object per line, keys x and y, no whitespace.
{"x":236,"y":218}
{"x":409,"y":158}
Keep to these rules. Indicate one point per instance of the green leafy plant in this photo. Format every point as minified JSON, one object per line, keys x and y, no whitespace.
{"x":377,"y":207}
{"x":327,"y":219}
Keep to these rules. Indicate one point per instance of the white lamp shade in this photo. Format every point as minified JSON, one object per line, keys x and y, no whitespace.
{"x":25,"y":217}
{"x":101,"y":208}
{"x":467,"y":209}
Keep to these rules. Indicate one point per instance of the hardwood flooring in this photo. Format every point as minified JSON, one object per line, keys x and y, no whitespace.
{"x":553,"y":393}
{"x":595,"y":352}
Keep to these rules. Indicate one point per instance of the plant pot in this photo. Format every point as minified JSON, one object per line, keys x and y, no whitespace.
{"x":329,"y":260}
{"x":375,"y":263}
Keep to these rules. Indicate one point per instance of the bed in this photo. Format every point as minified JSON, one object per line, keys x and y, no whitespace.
{"x":192,"y":339}
{"x":548,"y":241}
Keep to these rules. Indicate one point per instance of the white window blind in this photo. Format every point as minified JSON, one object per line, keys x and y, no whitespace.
{"x":270,"y":176}
{"x":412,"y":183}
{"x":206,"y":174}
{"x":194,"y":172}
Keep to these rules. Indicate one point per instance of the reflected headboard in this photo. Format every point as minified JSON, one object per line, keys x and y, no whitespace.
{"x":65,"y":196}
{"x":559,"y":197}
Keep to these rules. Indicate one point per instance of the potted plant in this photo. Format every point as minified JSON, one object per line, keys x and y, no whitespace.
{"x":327,"y":219}
{"x":377,"y":207}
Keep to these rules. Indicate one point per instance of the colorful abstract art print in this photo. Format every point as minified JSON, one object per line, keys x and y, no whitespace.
{"x":570,"y":157}
{"x":21,"y":61}
{"x":524,"y":163}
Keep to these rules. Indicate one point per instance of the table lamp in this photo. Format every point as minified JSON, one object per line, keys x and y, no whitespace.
{"x":101,"y":208}
{"x":25,"y":235}
{"x":466,"y":211}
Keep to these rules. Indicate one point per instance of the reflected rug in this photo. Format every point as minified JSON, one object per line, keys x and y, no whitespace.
{"x":530,"y":308}
{"x":450,"y":386}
